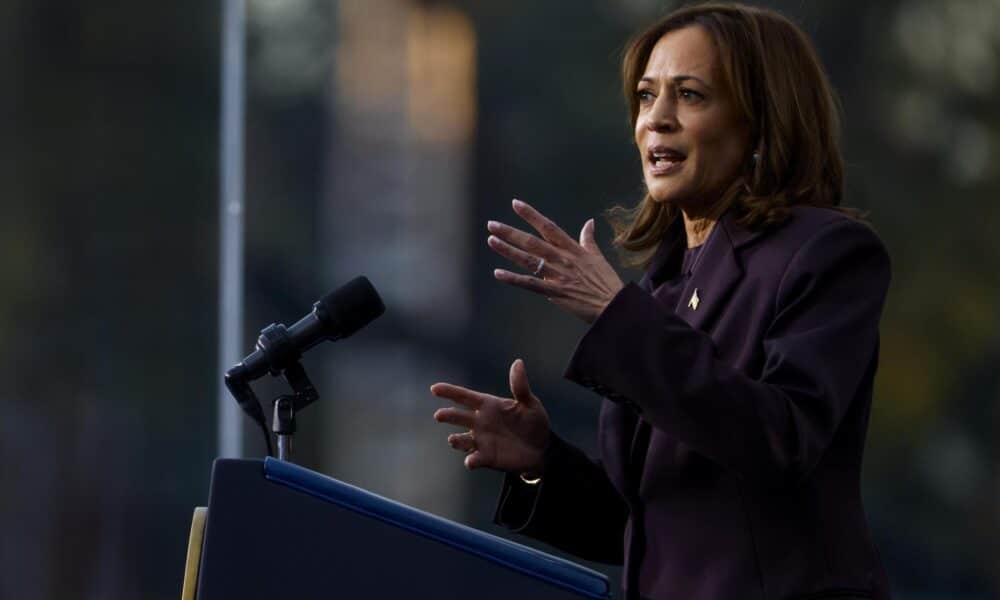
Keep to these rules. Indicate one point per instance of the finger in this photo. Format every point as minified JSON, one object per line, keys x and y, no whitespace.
{"x":587,"y":240}
{"x":519,"y":383}
{"x":455,"y":416}
{"x":533,"y":284}
{"x":474,"y":460}
{"x":545,"y":226}
{"x":525,"y":241}
{"x":461,"y":395}
{"x":517,"y":256}
{"x":464,"y":442}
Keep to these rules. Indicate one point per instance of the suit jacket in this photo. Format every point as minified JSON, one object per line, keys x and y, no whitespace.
{"x":744,"y":481}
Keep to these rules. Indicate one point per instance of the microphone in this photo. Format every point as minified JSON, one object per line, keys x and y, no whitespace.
{"x":334,"y":317}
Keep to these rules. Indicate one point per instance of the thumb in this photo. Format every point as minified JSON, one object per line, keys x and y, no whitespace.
{"x":587,"y":240}
{"x":519,"y":383}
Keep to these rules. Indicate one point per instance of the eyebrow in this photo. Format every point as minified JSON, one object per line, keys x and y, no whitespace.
{"x":679,"y":79}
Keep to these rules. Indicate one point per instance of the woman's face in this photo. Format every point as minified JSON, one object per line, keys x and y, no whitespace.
{"x":692,"y":140}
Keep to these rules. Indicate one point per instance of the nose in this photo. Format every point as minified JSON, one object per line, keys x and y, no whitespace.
{"x":663,"y":115}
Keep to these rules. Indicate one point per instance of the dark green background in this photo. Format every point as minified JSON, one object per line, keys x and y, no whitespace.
{"x":109,"y":262}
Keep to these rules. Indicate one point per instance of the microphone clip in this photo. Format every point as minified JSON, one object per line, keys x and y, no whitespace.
{"x":285,"y":407}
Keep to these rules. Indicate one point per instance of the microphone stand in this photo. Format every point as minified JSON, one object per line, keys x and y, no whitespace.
{"x":279,"y":349}
{"x":285,"y":406}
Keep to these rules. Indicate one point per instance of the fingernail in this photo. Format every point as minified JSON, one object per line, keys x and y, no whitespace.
{"x":491,"y":225}
{"x":497,"y":273}
{"x":517,"y":203}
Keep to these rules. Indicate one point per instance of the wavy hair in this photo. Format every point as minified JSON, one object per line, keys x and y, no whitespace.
{"x":780,"y":87}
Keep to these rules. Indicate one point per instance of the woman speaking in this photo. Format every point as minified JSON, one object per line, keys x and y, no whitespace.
{"x":737,"y":374}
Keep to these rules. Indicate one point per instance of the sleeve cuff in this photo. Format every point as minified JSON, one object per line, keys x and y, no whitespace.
{"x":518,"y":501}
{"x":605,"y":336}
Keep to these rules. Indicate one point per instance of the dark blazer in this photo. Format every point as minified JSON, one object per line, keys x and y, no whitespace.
{"x":732,"y":433}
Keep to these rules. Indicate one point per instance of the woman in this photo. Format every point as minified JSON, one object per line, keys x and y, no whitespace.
{"x":737,"y":374}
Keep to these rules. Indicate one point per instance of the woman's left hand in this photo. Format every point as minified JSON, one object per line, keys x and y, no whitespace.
{"x":574,"y":276}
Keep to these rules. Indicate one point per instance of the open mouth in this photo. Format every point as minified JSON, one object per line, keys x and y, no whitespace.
{"x":664,"y":160}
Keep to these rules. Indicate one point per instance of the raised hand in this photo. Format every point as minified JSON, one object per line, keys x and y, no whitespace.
{"x":573,"y":275}
{"x":507,"y":434}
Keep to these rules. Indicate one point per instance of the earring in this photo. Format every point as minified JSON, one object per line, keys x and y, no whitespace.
{"x":755,"y":158}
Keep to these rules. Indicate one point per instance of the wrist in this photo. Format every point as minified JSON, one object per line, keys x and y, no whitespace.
{"x":532,"y":474}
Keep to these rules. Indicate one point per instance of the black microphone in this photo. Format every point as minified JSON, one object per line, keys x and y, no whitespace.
{"x":335,"y":316}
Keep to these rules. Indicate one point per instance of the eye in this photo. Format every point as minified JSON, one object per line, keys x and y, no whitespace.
{"x":689,"y":95}
{"x":644,"y":95}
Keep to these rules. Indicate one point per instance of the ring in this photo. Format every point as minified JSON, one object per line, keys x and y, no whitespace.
{"x":538,"y":269}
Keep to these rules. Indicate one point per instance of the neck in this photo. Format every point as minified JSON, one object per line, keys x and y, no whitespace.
{"x":697,"y":227}
{"x":700,"y":218}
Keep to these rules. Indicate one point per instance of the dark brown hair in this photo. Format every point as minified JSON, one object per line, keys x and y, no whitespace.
{"x":782,"y":91}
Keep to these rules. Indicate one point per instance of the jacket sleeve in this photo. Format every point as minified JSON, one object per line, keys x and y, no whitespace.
{"x":820,"y":345}
{"x":574,"y":508}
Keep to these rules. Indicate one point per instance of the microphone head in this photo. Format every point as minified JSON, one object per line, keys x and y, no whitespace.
{"x":349,"y":308}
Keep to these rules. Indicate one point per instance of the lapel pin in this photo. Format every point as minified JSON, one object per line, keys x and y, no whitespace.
{"x":693,"y":303}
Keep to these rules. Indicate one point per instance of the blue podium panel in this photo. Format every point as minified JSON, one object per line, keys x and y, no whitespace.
{"x":277,"y":530}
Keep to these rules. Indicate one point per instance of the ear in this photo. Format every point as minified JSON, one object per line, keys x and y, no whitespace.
{"x":757,"y":152}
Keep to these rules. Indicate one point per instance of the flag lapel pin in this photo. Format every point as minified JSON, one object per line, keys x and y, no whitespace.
{"x":693,"y":303}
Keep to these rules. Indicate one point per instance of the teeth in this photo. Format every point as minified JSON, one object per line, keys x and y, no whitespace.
{"x":658,"y":156}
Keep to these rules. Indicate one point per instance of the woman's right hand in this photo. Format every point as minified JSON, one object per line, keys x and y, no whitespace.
{"x":507,"y":434}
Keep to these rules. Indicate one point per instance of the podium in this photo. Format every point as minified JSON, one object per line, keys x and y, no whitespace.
{"x":275,"y":530}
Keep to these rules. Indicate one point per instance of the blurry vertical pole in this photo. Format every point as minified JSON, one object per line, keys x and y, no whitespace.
{"x":230,"y":429}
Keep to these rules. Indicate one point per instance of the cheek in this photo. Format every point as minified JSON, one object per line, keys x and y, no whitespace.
{"x":731,"y":155}
{"x":640,"y":144}
{"x":721,"y":150}
{"x":639,"y":132}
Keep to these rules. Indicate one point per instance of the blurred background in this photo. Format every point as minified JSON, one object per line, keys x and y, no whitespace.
{"x":380,"y":137}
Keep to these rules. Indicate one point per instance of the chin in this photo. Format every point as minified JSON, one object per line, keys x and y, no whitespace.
{"x":665,"y":194}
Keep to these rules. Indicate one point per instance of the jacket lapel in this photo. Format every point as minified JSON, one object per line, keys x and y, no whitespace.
{"x":718,"y":270}
{"x":716,"y":274}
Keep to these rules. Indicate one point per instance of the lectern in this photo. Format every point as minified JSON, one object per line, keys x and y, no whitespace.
{"x":275,"y":530}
